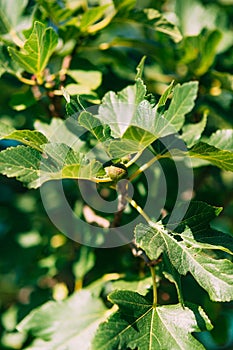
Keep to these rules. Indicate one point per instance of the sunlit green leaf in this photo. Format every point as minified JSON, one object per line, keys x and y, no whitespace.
{"x":90,"y":79}
{"x":214,"y":275}
{"x":191,"y":133}
{"x":94,"y":125}
{"x":21,"y":162}
{"x":32,"y":138}
{"x":140,"y":286}
{"x":173,"y":276}
{"x":117,"y":110}
{"x":60,"y":131}
{"x":133,"y":119}
{"x":37,"y":49}
{"x":165,"y":95}
{"x":55,"y":10}
{"x":119,"y":149}
{"x":208,"y":51}
{"x":197,"y":218}
{"x":153,"y":19}
{"x":139,"y":325}
{"x":189,"y":239}
{"x":222,"y":139}
{"x":161,"y":24}
{"x":91,"y":16}
{"x":199,"y":51}
{"x":57,"y":162}
{"x":70,"y":323}
{"x":140,"y":68}
{"x":221,"y":158}
{"x":194,"y":16}
{"x":182,"y":103}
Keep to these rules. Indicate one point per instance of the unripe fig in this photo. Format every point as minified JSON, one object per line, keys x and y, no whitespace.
{"x":116,"y":171}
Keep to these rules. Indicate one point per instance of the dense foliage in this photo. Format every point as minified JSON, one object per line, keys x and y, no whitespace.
{"x":117,"y":173}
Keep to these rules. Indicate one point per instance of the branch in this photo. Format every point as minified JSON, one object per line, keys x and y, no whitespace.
{"x":122,"y":188}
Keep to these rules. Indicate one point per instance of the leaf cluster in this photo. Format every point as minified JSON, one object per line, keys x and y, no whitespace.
{"x":106,"y":95}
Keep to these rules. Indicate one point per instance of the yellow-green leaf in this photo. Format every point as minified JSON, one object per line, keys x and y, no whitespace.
{"x":37,"y":49}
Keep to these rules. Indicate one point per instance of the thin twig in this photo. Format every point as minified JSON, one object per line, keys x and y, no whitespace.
{"x":64,"y":68}
{"x":147,"y":165}
{"x":139,"y":209}
{"x":133,"y":160}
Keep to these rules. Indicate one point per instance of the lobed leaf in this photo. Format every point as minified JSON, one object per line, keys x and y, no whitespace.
{"x":197,"y":218}
{"x":117,"y":110}
{"x":59,"y":14}
{"x":220,"y":244}
{"x":132,"y":118}
{"x":57,"y":162}
{"x":150,"y":18}
{"x":21,"y":162}
{"x":215,"y":276}
{"x":37,"y":49}
{"x":139,"y":325}
{"x":173,"y":276}
{"x":122,"y":148}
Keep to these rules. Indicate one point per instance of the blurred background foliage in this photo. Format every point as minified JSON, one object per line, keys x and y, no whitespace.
{"x":37,"y":262}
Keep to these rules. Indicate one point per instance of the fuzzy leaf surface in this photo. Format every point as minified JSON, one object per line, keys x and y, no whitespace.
{"x":214,"y":275}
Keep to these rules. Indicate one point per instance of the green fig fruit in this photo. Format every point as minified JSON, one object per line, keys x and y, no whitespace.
{"x":116,"y":171}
